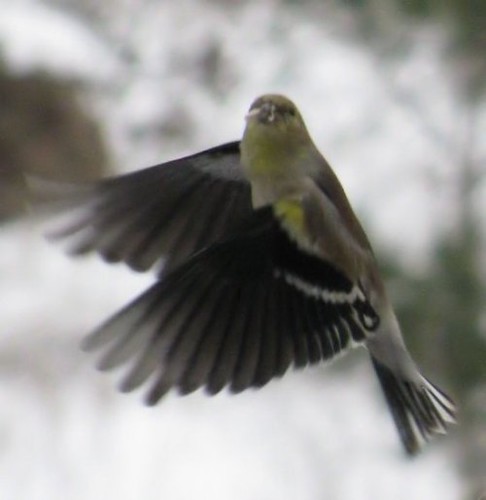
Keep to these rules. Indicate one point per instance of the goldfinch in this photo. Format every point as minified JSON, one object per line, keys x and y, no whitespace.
{"x":262,"y":265}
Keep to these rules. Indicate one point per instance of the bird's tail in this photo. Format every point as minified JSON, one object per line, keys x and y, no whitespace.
{"x":420,"y":410}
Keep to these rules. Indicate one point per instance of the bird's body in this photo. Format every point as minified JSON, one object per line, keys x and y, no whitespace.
{"x":265,"y":266}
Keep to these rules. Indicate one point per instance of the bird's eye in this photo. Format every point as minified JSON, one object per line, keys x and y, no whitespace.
{"x":292,"y":112}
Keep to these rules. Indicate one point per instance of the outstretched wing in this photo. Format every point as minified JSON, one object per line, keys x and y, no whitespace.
{"x":238,"y":314}
{"x":163,"y":213}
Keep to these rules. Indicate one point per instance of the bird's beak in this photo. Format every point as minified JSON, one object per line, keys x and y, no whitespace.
{"x":253,"y":112}
{"x":264,"y":113}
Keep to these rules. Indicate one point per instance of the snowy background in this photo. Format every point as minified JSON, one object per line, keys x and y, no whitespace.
{"x":318,"y":434}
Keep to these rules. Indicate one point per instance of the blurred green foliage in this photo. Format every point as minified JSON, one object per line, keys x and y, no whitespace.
{"x":468,"y":17}
{"x":464,"y":21}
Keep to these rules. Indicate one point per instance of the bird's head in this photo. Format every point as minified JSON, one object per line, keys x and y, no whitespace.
{"x":275,"y":140}
{"x":275,"y":115}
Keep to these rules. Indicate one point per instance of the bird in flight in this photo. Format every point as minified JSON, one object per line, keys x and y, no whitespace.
{"x":262,"y":265}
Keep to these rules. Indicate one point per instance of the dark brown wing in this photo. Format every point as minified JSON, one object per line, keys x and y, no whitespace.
{"x":236,"y":314}
{"x":163,"y":213}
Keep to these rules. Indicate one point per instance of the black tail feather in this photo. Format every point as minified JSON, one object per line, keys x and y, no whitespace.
{"x":420,"y":410}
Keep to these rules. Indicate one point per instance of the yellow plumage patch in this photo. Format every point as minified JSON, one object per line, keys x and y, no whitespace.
{"x":291,"y":214}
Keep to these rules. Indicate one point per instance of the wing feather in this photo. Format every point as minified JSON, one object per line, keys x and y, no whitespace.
{"x":235,"y":315}
{"x":159,"y":214}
